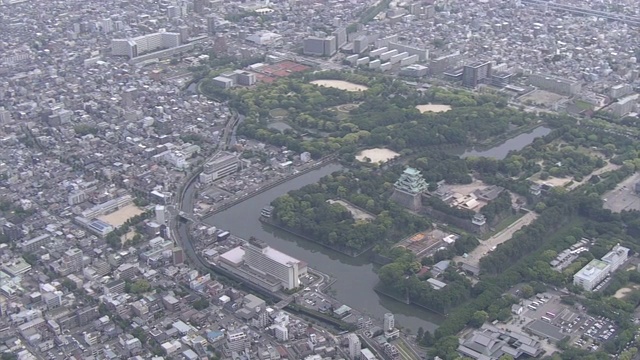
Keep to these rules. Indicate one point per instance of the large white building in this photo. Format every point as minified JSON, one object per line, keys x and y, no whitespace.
{"x":597,"y":270}
{"x":140,"y":45}
{"x":389,"y":322}
{"x":264,"y":265}
{"x":222,"y":165}
{"x":354,"y":346}
{"x":269,"y":261}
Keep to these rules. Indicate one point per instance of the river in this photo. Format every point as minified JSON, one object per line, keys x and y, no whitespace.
{"x":356,"y":277}
{"x":501,"y":150}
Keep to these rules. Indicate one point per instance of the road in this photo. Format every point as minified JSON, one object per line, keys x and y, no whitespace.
{"x":481,"y":250}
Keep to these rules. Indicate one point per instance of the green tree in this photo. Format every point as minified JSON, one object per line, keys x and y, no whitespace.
{"x":526,"y":291}
{"x":478,"y":318}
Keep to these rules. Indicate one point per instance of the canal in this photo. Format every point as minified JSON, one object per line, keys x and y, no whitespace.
{"x":356,"y":277}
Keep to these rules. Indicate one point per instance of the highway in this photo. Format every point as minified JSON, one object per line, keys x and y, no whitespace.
{"x":629,"y":19}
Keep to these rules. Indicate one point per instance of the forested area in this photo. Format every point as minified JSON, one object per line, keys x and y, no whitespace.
{"x":384,"y":115}
{"x":307,"y":211}
{"x":400,"y":278}
{"x":567,"y":217}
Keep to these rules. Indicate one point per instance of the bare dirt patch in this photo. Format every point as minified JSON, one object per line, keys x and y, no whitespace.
{"x":436,"y":108}
{"x":357,"y":213}
{"x":621,"y":293}
{"x":120,"y":216}
{"x":377,"y":155}
{"x":340,"y":84}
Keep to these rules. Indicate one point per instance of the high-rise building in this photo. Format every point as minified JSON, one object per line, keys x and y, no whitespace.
{"x":211,"y":25}
{"x":236,"y":340}
{"x":354,"y":346}
{"x":72,"y":260}
{"x":160,"y":211}
{"x":389,"y":322}
{"x":473,"y":74}
{"x":317,"y":46}
{"x":198,"y":6}
{"x":264,"y":259}
{"x":178,"y":256}
{"x":555,"y":84}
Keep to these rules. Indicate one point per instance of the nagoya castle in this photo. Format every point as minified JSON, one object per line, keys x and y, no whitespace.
{"x":409,"y":188}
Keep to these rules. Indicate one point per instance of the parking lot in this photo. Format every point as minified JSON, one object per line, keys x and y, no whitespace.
{"x":546,"y":317}
{"x":623,"y":197}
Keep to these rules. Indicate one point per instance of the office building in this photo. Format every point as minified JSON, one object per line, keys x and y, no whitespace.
{"x":140,"y":45}
{"x":360,"y":44}
{"x":475,"y":73}
{"x":592,"y":274}
{"x":267,"y":260}
{"x":211,"y":25}
{"x":264,"y":266}
{"x":72,"y":260}
{"x":414,"y":70}
{"x":624,"y":106}
{"x":341,"y":37}
{"x":317,"y":46}
{"x":620,"y":90}
{"x":389,"y":322}
{"x":354,"y":346}
{"x":245,"y":78}
{"x":616,"y":257}
{"x":178,"y":256}
{"x":160,"y":212}
{"x":236,"y":340}
{"x":422,"y":54}
{"x":223,"y":164}
{"x":555,"y":84}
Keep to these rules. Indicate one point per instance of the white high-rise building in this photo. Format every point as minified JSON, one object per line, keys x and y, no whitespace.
{"x":269,"y":261}
{"x":160,"y":214}
{"x":389,"y":322}
{"x":144,"y":44}
{"x":354,"y":346}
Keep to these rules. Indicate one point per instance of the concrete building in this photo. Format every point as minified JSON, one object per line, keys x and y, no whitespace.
{"x":620,"y":90}
{"x":317,"y":46}
{"x":221,"y":165}
{"x":422,"y":54}
{"x":473,"y":74}
{"x":354,"y":346}
{"x":223,"y":82}
{"x":616,"y":257}
{"x":624,"y":106}
{"x":245,"y":78}
{"x":555,"y":84}
{"x":267,"y":260}
{"x":414,"y":70}
{"x":236,"y":340}
{"x":592,"y":274}
{"x":140,"y":45}
{"x":389,"y":322}
{"x":597,"y":270}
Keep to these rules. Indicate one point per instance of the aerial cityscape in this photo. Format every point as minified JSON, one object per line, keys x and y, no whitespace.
{"x":320,"y":179}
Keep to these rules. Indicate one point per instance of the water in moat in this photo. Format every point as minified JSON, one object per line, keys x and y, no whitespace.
{"x":501,"y":150}
{"x":356,"y":277}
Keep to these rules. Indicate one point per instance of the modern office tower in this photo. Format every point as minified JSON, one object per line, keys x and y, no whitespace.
{"x":475,"y":73}
{"x":389,"y":322}
{"x":144,"y":44}
{"x":354,"y":346}
{"x":555,"y":84}
{"x":221,"y":165}
{"x":269,"y":261}
{"x":317,"y":46}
